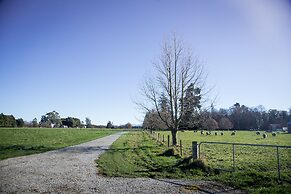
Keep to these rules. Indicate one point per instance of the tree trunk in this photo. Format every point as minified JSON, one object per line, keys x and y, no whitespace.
{"x":174,"y":136}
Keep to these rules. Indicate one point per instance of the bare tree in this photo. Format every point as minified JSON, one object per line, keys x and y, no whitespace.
{"x":176,"y":69}
{"x":210,"y":124}
{"x":153,"y":121}
{"x":225,"y":123}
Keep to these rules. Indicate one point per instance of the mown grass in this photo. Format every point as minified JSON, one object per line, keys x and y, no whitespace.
{"x":135,"y":154}
{"x":24,"y":141}
{"x":138,"y":155}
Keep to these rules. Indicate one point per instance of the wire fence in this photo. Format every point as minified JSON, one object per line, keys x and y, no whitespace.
{"x":239,"y":156}
{"x":232,"y":157}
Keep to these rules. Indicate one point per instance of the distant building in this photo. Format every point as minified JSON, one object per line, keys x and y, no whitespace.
{"x":289,"y":127}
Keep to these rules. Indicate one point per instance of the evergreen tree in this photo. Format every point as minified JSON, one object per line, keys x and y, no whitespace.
{"x":34,"y":122}
{"x":192,"y":104}
{"x":88,"y":122}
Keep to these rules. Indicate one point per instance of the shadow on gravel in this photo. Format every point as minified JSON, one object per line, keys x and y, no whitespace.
{"x":82,"y":149}
{"x":206,"y":187}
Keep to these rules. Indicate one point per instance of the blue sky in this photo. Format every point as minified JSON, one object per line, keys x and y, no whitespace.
{"x":89,"y":58}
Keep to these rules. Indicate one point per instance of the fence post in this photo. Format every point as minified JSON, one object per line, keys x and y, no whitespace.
{"x":181,"y":153}
{"x":233,"y":162}
{"x":168,"y":140}
{"x":158,"y":136}
{"x":163,"y":138}
{"x":195,"y":152}
{"x":278,"y":159}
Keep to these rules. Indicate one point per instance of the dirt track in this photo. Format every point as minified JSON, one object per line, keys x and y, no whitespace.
{"x":73,"y":170}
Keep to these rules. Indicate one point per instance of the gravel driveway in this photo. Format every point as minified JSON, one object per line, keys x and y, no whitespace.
{"x":73,"y":170}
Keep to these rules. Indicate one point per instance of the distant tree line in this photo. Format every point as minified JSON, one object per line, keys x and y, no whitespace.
{"x":7,"y":121}
{"x":50,"y":120}
{"x":239,"y":117}
{"x":125,"y":126}
{"x":53,"y":120}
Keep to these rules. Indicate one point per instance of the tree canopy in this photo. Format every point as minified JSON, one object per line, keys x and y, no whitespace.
{"x":175,"y":92}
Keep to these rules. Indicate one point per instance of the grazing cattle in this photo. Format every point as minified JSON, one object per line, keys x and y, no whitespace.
{"x":202,"y":132}
{"x":265,"y":135}
{"x":233,"y":133}
{"x":215,"y":133}
{"x":258,"y":133}
{"x":274,"y":134}
{"x":221,"y":133}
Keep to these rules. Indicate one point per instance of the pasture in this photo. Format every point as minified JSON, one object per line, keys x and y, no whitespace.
{"x":24,"y":141}
{"x":240,"y":137}
{"x":220,"y":156}
{"x":247,"y":158}
{"x":137,"y":154}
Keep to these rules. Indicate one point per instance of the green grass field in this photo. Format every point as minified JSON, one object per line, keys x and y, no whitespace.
{"x":139,"y":155}
{"x":240,"y":137}
{"x":24,"y":141}
{"x":246,"y":157}
{"x":136,"y":154}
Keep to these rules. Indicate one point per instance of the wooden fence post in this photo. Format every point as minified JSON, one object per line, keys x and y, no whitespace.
{"x":168,"y":140}
{"x":163,"y":138}
{"x":181,"y":153}
{"x":195,"y":150}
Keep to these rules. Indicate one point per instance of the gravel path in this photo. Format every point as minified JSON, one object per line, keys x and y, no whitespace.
{"x":73,"y":170}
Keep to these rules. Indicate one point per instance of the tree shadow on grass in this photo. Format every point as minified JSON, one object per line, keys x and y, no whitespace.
{"x":25,"y":148}
{"x":90,"y":149}
{"x":11,"y":151}
{"x":186,"y":165}
{"x":21,"y":150}
{"x":183,"y":165}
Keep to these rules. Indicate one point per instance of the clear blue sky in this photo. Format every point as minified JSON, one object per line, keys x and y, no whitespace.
{"x":88,"y":58}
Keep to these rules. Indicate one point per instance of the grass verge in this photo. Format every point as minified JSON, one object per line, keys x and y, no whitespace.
{"x":24,"y":141}
{"x":137,"y":155}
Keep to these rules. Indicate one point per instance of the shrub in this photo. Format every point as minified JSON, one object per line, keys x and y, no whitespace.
{"x":168,"y":152}
{"x":199,"y":164}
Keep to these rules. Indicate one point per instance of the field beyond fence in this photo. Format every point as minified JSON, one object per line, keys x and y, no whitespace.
{"x":225,"y":157}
